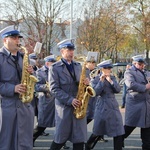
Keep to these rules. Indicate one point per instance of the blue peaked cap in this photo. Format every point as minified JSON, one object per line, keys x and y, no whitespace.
{"x":139,"y":58}
{"x":105,"y":64}
{"x":50,"y":58}
{"x":32,"y":56}
{"x":68,"y":43}
{"x":10,"y":31}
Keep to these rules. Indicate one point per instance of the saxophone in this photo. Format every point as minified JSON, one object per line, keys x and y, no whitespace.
{"x":27,"y":79}
{"x":84,"y":93}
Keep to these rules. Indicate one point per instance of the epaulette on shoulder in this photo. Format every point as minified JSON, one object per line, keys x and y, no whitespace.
{"x":55,"y":63}
{"x":2,"y":54}
{"x":78,"y":63}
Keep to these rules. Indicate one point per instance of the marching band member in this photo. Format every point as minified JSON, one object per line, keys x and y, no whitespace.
{"x":0,"y":115}
{"x":107,"y":118}
{"x":46,"y":103}
{"x":64,"y":79}
{"x":137,"y":112}
{"x":34,"y":102}
{"x":90,"y":66}
{"x":17,"y":117}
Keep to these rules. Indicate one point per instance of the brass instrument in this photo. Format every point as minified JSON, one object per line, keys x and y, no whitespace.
{"x":148,"y":79}
{"x":94,"y":73}
{"x":27,"y":79}
{"x":47,"y":94}
{"x":84,"y":93}
{"x":47,"y":85}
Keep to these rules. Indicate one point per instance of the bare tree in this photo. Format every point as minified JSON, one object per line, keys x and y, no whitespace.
{"x":140,"y":9}
{"x":104,"y":28}
{"x":37,"y":20}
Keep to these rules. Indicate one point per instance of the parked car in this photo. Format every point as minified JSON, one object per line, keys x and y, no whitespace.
{"x":117,"y":66}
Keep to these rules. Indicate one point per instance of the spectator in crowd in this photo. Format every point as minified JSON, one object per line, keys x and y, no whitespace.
{"x":124,"y":92}
{"x":119,"y":75}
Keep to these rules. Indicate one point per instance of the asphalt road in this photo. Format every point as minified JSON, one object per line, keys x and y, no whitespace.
{"x":133,"y":142}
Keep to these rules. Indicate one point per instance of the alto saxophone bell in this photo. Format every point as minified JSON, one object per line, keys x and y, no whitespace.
{"x":84,"y":93}
{"x":90,"y":91}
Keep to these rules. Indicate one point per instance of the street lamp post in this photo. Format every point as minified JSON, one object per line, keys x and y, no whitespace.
{"x":71,"y":18}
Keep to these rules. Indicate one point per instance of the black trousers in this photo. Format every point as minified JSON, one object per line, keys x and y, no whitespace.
{"x":145,"y":136}
{"x":89,"y":120}
{"x":37,"y":132}
{"x":118,"y":142}
{"x":94,"y":138}
{"x":76,"y":146}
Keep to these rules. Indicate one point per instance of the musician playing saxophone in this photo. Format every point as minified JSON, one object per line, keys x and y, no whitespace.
{"x":107,"y":117}
{"x":17,"y":117}
{"x":64,"y":80}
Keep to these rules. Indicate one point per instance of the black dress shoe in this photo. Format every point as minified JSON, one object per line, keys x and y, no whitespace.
{"x":103,"y":140}
{"x":44,"y":134}
{"x":123,"y":143}
{"x":87,"y":147}
{"x":65,"y":146}
{"x":33,"y":143}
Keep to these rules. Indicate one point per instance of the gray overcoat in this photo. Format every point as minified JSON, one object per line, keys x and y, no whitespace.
{"x":137,"y":112}
{"x":107,"y":119}
{"x":64,"y":89}
{"x":46,"y":103}
{"x":17,"y":117}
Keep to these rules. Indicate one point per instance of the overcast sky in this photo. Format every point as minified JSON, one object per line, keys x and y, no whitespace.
{"x":77,"y":8}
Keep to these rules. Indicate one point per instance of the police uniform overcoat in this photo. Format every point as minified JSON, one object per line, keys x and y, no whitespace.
{"x":107,"y":119}
{"x":17,"y":117}
{"x":137,"y":112}
{"x":64,"y":89}
{"x":46,"y":103}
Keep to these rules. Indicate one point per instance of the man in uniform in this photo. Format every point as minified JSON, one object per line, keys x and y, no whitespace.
{"x":137,"y":112}
{"x":46,"y":103}
{"x":64,"y":80}
{"x":90,"y":66}
{"x":17,"y":117}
